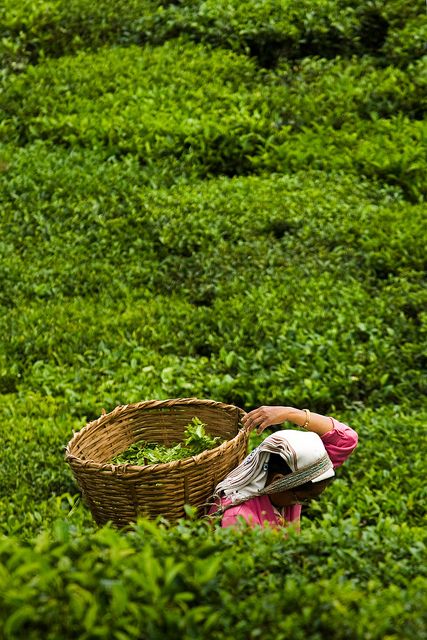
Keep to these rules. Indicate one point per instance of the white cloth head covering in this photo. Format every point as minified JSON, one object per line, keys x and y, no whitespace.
{"x":303,"y":452}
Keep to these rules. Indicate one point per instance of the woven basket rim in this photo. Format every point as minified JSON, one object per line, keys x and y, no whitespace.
{"x":126,"y":468}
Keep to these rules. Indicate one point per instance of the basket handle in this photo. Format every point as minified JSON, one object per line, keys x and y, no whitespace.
{"x":247,"y":428}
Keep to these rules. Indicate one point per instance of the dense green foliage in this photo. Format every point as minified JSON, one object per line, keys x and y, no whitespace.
{"x":223,"y":200}
{"x":140,"y":103}
{"x":267,"y":29}
{"x":192,"y":582}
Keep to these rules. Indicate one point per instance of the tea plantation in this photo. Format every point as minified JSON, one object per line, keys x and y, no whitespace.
{"x":223,"y":200}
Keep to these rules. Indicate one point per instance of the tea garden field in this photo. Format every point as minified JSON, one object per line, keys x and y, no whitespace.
{"x":223,"y":200}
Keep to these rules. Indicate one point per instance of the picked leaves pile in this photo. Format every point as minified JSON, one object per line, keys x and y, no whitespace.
{"x":196,"y":440}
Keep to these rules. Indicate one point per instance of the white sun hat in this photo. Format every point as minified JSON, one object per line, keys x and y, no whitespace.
{"x":303,"y":452}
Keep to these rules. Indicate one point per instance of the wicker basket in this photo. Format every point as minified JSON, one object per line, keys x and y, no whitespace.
{"x":121,"y":493}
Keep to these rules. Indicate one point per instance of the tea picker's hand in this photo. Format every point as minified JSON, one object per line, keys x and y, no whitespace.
{"x":264,"y":417}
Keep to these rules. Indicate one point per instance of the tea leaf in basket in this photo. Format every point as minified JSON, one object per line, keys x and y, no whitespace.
{"x":196,"y":440}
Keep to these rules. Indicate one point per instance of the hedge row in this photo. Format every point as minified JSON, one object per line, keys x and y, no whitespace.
{"x":345,"y":583}
{"x":268,"y":30}
{"x":306,"y":289}
{"x":177,"y":103}
{"x":345,"y":115}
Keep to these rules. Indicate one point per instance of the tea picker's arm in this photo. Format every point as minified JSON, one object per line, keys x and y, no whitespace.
{"x":267,"y":416}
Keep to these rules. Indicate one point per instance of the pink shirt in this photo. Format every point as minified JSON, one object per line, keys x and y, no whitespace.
{"x":339,"y":443}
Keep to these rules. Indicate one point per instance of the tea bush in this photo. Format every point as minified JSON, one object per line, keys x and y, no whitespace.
{"x":268,"y":31}
{"x":220,"y":200}
{"x":337,"y":316}
{"x":126,"y":102}
{"x":152,"y":112}
{"x":157,"y":583}
{"x":407,"y":43}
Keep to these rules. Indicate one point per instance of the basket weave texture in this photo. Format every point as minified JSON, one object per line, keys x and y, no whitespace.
{"x":121,"y":493}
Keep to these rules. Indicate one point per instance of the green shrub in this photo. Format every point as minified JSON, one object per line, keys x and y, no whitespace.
{"x":366,"y":92}
{"x":155,"y":583}
{"x":391,"y":150}
{"x":408,"y":43}
{"x":275,"y":30}
{"x":128,"y":101}
{"x":32,"y":31}
{"x":268,"y":122}
{"x":324,"y":265}
{"x":268,"y":30}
